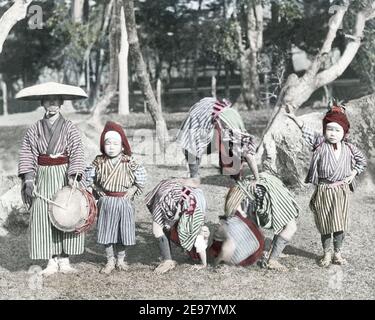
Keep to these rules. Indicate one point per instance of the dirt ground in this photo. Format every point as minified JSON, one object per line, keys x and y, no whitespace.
{"x":305,"y":279}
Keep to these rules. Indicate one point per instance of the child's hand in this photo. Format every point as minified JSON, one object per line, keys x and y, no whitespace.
{"x":253,"y":186}
{"x":349,"y":179}
{"x":131,"y":192}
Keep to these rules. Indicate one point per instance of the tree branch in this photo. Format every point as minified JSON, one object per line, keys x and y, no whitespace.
{"x":14,"y":14}
{"x":333,"y":25}
{"x":329,"y":75}
{"x":241,"y":47}
{"x":255,"y":25}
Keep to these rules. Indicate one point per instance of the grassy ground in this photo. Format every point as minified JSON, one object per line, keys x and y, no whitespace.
{"x":305,"y":280}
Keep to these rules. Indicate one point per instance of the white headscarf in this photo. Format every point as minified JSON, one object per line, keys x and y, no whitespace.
{"x":112,"y":135}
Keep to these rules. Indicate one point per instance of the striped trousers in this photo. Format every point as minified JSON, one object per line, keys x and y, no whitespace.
{"x":330,"y":207}
{"x":116,"y":222}
{"x":45,"y":240}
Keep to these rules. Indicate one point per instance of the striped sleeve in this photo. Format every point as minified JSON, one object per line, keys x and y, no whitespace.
{"x":75,"y":152}
{"x":89,"y":176}
{"x":249,"y":146}
{"x":28,"y":157}
{"x":359,"y":159}
{"x":140,"y":178}
{"x":189,"y":227}
{"x":311,"y":136}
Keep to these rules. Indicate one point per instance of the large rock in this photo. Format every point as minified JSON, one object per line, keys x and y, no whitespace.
{"x":287,"y":153}
{"x":11,"y":202}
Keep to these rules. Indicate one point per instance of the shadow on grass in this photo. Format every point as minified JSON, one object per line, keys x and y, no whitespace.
{"x":292,"y":251}
{"x":218,"y":180}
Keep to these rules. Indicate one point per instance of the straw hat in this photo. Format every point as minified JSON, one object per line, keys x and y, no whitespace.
{"x":37,"y":92}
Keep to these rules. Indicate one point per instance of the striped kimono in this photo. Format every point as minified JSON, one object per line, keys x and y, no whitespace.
{"x":232,"y":140}
{"x":235,"y":142}
{"x":116,"y":221}
{"x":59,"y":140}
{"x":163,"y":203}
{"x":197,"y":130}
{"x":273,"y":204}
{"x":246,"y":237}
{"x":330,"y":201}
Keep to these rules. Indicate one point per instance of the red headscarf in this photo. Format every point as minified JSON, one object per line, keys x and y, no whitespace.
{"x":336,"y":114}
{"x":113,"y":126}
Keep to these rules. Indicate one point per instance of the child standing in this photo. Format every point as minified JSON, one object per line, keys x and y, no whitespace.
{"x":334,"y":165}
{"x":116,"y":178}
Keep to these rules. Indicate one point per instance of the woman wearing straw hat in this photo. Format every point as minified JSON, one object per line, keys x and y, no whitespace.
{"x":51,"y":157}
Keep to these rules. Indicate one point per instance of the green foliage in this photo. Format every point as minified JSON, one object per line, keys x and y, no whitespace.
{"x":364,"y":61}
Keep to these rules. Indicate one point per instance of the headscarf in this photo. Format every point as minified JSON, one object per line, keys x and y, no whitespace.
{"x":113,"y":126}
{"x":336,"y":114}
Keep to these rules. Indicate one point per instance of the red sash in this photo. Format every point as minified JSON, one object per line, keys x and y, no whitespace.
{"x":115,"y":194}
{"x":46,"y":160}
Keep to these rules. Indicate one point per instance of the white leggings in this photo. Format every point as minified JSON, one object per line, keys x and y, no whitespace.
{"x":289,"y":230}
{"x":157,"y":230}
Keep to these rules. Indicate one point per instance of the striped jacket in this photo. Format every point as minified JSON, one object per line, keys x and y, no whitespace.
{"x":196,"y":132}
{"x":324,"y":164}
{"x":164,"y":205}
{"x":273,"y":203}
{"x":61,"y":138}
{"x":106,"y":177}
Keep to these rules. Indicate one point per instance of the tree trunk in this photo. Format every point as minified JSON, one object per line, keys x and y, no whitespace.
{"x":273,"y":146}
{"x":213,"y":86}
{"x":249,"y":56}
{"x":4,"y":90}
{"x":249,"y":81}
{"x":123,"y":106}
{"x":227,"y":79}
{"x":158,"y":93}
{"x":142,"y":75}
{"x":100,"y":107}
{"x":195,"y":74}
{"x":15,"y":13}
{"x":107,"y":12}
{"x":196,"y":53}
{"x":77,"y":10}
{"x":114,"y":48}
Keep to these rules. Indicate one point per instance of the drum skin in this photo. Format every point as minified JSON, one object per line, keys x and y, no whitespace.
{"x":75,"y":213}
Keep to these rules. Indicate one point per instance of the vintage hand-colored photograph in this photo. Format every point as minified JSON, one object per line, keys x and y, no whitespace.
{"x":187,"y":150}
